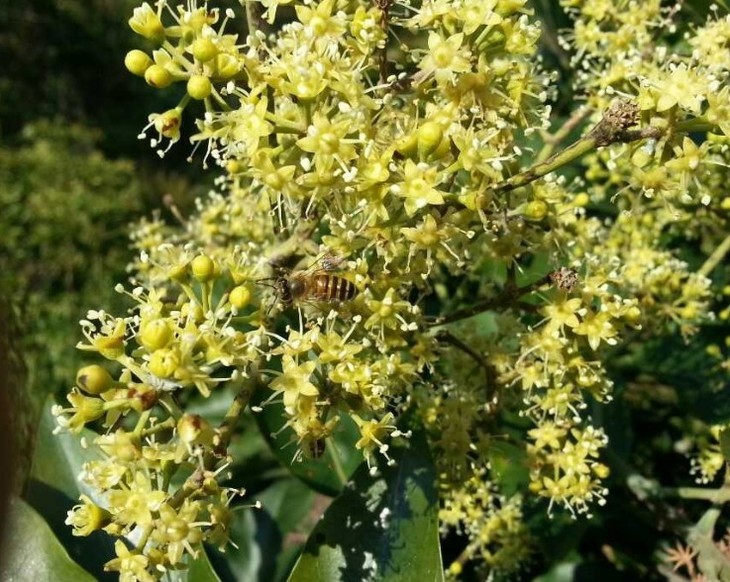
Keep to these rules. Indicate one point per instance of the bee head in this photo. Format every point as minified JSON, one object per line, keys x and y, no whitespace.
{"x":297,"y":287}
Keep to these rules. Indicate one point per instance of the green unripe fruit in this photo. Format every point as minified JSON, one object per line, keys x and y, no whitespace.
{"x":199,"y":87}
{"x":137,"y":62}
{"x":204,"y":50}
{"x":203,"y":268}
{"x":94,"y":379}
{"x":155,"y":334}
{"x":158,"y":77}
{"x":240,"y":296}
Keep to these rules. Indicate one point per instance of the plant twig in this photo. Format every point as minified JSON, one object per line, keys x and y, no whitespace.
{"x":384,"y":6}
{"x":507,"y":298}
{"x":715,"y":258}
{"x":553,"y":140}
{"x":489,"y":371}
{"x":612,"y":128}
{"x":225,"y":431}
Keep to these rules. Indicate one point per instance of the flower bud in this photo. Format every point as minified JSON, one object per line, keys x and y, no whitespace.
{"x":158,"y":77}
{"x":714,"y":351}
{"x":535,"y":210}
{"x":507,"y":8}
{"x":147,"y":23}
{"x":155,"y":334}
{"x":407,"y":146}
{"x":601,"y":471}
{"x":581,"y":199}
{"x":240,"y":296}
{"x":199,"y":87}
{"x":204,"y":50}
{"x":203,"y":268}
{"x":429,"y":137}
{"x":94,"y":379}
{"x":137,"y":62}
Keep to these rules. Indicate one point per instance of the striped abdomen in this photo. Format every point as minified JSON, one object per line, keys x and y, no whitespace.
{"x":325,"y":287}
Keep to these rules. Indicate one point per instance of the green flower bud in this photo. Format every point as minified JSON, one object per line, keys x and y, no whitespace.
{"x":199,"y":87}
{"x":601,"y":471}
{"x":240,"y":296}
{"x":581,"y":199}
{"x":203,"y":268}
{"x":407,"y":146}
{"x":158,"y":77}
{"x":94,"y":379}
{"x":137,"y":62}
{"x":429,"y":137}
{"x":535,"y":210}
{"x":155,"y":334}
{"x":507,"y":8}
{"x":204,"y":50}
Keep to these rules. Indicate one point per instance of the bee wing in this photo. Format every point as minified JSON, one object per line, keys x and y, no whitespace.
{"x":326,"y":262}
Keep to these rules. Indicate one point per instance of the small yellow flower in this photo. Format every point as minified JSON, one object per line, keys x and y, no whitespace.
{"x":294,"y":382}
{"x":418,"y":187}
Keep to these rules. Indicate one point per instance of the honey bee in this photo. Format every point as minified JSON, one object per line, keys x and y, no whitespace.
{"x":315,"y":284}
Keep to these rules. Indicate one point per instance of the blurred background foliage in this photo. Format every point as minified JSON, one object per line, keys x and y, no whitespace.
{"x":73,"y":176}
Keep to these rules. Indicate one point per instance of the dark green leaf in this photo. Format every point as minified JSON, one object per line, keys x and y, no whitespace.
{"x":288,"y":502}
{"x":200,"y":569}
{"x":260,"y":534}
{"x":32,"y":552}
{"x":725,"y":443}
{"x":58,"y":459}
{"x":53,"y":490}
{"x":509,"y":466}
{"x":382,"y":527}
{"x":327,"y":474}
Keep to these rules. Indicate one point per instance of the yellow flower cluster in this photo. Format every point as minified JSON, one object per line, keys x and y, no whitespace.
{"x":373,"y":246}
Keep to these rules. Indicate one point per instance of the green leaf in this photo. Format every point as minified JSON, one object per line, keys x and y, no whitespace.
{"x":262,"y":534}
{"x":53,"y":490}
{"x":382,"y":527}
{"x":32,"y":552}
{"x":509,"y":466}
{"x":58,"y":459}
{"x":725,"y":443}
{"x":199,"y":570}
{"x":327,"y":474}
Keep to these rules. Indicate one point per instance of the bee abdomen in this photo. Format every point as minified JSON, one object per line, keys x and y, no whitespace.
{"x":333,"y":288}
